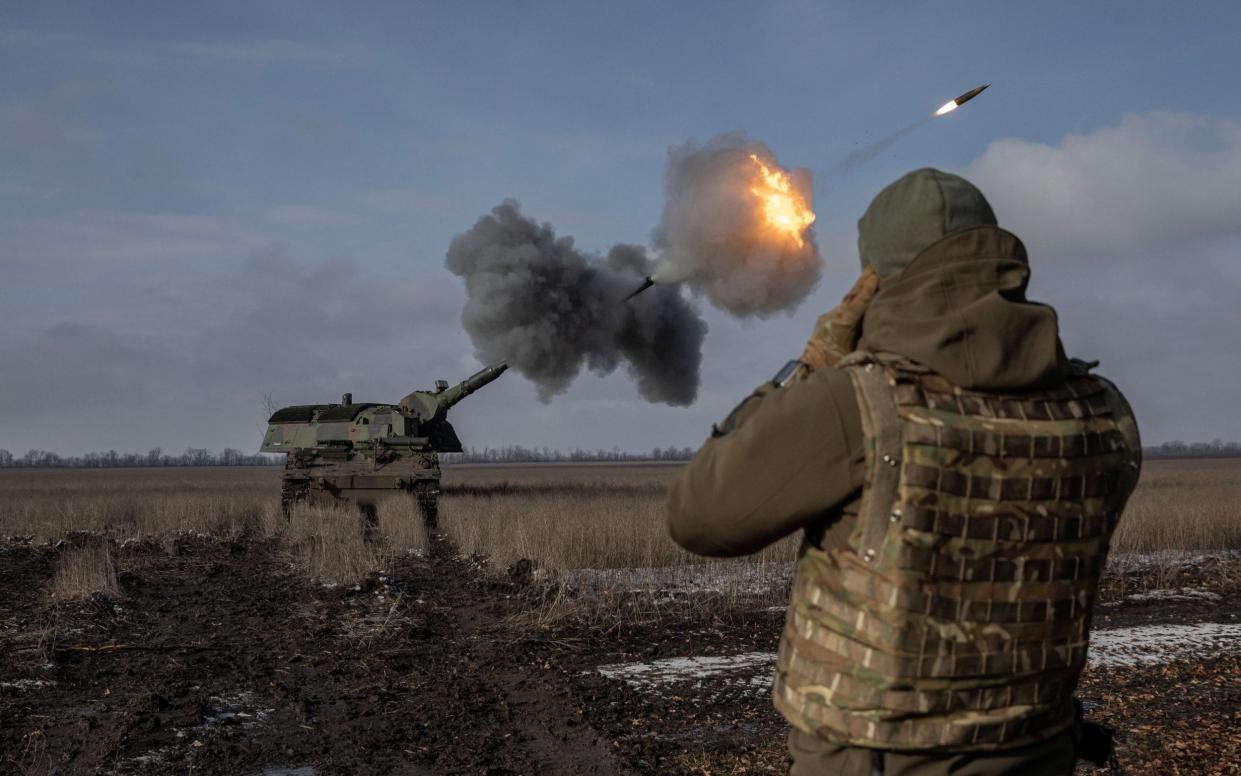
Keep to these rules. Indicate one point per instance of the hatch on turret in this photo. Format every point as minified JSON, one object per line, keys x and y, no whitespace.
{"x":301,"y":413}
{"x":346,"y":412}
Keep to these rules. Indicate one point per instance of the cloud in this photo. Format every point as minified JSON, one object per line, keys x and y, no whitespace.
{"x":404,"y":201}
{"x":1133,"y":232}
{"x":304,"y":331}
{"x":1152,"y":182}
{"x":95,"y":368}
{"x":308,"y":215}
{"x":83,"y":236}
{"x":261,"y":52}
{"x":264,"y":51}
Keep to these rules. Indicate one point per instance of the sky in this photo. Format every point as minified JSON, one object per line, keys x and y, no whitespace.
{"x":202,"y":205}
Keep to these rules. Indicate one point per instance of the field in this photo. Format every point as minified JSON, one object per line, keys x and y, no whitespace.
{"x":173,"y":620}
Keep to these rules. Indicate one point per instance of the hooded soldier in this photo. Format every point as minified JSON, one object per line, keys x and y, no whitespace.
{"x":956,"y":479}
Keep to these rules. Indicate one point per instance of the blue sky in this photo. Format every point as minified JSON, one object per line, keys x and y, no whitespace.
{"x":200,"y":204}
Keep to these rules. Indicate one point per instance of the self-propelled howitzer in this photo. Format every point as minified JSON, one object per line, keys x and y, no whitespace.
{"x":364,"y":452}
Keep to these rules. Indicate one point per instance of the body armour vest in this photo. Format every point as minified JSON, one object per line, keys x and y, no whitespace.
{"x":958,"y":615}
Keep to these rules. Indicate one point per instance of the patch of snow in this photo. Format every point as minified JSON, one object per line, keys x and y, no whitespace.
{"x":1144,"y":645}
{"x":153,"y":758}
{"x":707,"y":676}
{"x":233,"y":706}
{"x":744,"y":578}
{"x":750,"y":671}
{"x":26,"y":685}
{"x":1181,"y":594}
{"x":1129,"y":562}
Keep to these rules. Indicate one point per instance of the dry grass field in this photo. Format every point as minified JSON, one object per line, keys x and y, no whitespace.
{"x":100,"y":510}
{"x":595,"y":540}
{"x":1183,"y":505}
{"x":559,"y":518}
{"x":47,"y":504}
{"x":179,"y":616}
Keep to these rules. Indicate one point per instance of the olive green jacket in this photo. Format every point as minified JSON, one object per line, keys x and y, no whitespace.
{"x":792,"y":458}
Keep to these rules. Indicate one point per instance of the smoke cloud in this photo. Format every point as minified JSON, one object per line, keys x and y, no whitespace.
{"x":549,"y":309}
{"x":715,"y":236}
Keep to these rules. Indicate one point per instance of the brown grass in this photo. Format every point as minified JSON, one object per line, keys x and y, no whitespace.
{"x":328,"y":543}
{"x":599,"y":544}
{"x":568,"y":530}
{"x":1183,"y":505}
{"x":400,"y":525}
{"x":606,"y":517}
{"x":84,"y":572}
{"x":340,"y":544}
{"x":561,"y":517}
{"x":47,"y":505}
{"x":609,"y":520}
{"x":582,"y":477}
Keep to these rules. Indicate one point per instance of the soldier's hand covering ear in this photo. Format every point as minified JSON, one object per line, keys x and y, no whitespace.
{"x":836,"y":332}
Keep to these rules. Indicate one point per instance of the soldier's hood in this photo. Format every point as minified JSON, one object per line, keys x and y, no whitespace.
{"x":959,"y":307}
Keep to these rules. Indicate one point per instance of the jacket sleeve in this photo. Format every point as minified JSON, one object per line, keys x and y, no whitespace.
{"x":780,"y":461}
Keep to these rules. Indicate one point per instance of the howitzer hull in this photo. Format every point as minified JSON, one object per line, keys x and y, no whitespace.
{"x":362,"y":453}
{"x":360,"y":478}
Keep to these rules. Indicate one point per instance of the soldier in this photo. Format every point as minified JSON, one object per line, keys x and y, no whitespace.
{"x":957,"y":479}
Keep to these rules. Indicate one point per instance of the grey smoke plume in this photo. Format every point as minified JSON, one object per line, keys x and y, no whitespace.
{"x":550,"y":309}
{"x":714,"y":235}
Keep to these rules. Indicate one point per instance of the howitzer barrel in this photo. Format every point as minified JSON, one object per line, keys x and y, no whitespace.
{"x":471,"y":384}
{"x":431,"y":406}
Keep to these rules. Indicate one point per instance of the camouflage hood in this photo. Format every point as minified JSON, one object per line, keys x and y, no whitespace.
{"x":960,"y":308}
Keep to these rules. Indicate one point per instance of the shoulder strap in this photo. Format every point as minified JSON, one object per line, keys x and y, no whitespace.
{"x":1128,"y":426}
{"x":872,"y":382}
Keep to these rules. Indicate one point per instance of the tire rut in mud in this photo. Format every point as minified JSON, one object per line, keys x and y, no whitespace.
{"x":220,"y":659}
{"x":503,"y":702}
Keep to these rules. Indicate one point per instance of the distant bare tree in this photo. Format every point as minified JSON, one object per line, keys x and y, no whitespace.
{"x":198,"y":456}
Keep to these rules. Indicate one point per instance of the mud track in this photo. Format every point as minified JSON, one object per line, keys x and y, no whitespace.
{"x":218,"y":659}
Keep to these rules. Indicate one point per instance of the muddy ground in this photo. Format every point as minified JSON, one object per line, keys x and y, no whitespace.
{"x":218,"y":658}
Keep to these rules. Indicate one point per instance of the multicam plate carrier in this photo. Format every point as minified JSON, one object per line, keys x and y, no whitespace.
{"x":958,"y":616}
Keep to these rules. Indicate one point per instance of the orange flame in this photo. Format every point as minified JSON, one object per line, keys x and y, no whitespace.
{"x":784,"y":209}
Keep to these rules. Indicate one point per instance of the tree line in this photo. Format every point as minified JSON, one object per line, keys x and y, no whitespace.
{"x":155,"y":457}
{"x":230,"y":456}
{"x":522,"y":454}
{"x":1177,"y":449}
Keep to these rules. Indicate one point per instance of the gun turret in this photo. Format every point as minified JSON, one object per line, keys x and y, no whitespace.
{"x":430,"y":406}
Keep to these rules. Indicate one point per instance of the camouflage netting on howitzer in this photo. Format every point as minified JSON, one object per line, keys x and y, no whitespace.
{"x":958,"y":617}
